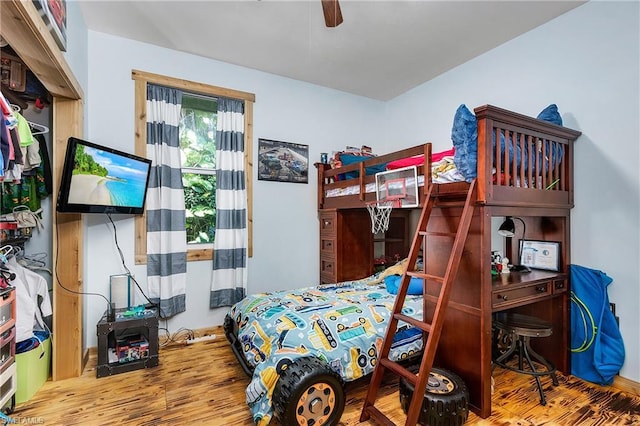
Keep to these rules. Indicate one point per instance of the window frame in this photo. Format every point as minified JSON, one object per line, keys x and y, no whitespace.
{"x":141,"y":79}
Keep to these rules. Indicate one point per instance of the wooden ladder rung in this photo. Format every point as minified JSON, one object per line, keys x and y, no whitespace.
{"x":450,"y":194}
{"x":428,"y":277}
{"x":438,"y":234}
{"x":399,"y":370}
{"x":378,"y":416}
{"x":424,"y":326}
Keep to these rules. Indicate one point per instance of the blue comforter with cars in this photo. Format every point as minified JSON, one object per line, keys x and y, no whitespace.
{"x":342,"y":323}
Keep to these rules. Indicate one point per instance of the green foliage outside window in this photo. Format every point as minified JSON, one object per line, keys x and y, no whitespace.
{"x":198,"y":156}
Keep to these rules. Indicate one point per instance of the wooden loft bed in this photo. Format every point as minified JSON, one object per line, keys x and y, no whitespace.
{"x":535,"y":185}
{"x":553,"y":187}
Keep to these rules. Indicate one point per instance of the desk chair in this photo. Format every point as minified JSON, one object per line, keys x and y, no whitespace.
{"x":516,"y":331}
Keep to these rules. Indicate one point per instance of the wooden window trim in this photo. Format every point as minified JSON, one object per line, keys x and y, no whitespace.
{"x":141,"y":79}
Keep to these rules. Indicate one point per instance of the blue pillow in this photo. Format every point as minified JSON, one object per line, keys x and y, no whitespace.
{"x":464,"y":136}
{"x":347,"y":159}
{"x":551,"y":115}
{"x":392,"y":282}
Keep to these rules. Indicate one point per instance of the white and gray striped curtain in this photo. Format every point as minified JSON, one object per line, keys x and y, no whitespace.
{"x":166,"y":223}
{"x":229,"y":280}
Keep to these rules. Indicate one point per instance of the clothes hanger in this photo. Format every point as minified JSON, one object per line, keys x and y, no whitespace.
{"x":40,"y":129}
{"x":5,"y":252}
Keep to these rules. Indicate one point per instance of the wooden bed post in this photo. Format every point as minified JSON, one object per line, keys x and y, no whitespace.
{"x":321,"y":168}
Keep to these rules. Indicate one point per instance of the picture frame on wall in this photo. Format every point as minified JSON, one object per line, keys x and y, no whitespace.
{"x":540,"y":254}
{"x":54,"y":15}
{"x":283,"y":161}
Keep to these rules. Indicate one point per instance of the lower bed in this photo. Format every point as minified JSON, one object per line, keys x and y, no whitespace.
{"x":316,"y":338}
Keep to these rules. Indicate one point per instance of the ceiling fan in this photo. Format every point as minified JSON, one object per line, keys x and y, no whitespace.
{"x":332,"y":13}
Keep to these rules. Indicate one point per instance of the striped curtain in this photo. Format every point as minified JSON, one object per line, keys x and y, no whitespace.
{"x":229,"y":279}
{"x":166,"y":224}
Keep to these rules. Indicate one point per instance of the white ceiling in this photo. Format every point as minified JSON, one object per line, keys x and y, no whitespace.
{"x":381,"y":50}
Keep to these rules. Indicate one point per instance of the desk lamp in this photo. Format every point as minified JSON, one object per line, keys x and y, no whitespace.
{"x":508,"y":230}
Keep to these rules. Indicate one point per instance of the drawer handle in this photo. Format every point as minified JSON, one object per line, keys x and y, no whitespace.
{"x":502,"y":296}
{"x":541,"y":289}
{"x":559,"y":285}
{"x":327,"y":223}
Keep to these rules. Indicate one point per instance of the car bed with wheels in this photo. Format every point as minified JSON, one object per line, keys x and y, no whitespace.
{"x":301,"y":346}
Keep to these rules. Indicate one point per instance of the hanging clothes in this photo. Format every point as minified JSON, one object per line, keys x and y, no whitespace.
{"x":44,"y":175}
{"x":33,"y":303}
{"x":29,"y":183}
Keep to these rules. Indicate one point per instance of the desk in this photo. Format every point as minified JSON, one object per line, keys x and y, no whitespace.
{"x":522,"y":288}
{"x":144,"y":324}
{"x":466,"y":342}
{"x":465,"y":345}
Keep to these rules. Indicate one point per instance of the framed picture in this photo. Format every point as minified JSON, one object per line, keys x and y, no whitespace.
{"x":283,"y":161}
{"x":54,"y":15}
{"x":540,"y":254}
{"x":399,"y":186}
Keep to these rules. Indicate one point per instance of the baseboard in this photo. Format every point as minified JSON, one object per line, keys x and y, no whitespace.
{"x":85,"y":358}
{"x":626,"y":385}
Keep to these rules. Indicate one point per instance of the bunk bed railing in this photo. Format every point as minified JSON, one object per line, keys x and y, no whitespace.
{"x":332,"y":179}
{"x":523,"y":160}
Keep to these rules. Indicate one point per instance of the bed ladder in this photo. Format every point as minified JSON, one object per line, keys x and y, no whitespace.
{"x":432,"y":330}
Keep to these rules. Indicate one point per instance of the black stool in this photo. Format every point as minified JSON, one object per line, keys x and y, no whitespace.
{"x":518,"y":329}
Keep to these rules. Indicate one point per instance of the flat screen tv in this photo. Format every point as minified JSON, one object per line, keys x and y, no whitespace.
{"x":99,"y":179}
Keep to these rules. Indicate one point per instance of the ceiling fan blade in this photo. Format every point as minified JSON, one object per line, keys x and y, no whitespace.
{"x":332,"y":13}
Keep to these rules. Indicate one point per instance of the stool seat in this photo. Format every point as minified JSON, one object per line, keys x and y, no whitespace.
{"x":523,"y":325}
{"x":518,"y":329}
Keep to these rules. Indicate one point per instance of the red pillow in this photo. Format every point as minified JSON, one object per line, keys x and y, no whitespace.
{"x":419,"y":159}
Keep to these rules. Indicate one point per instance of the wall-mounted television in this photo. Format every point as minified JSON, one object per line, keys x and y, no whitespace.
{"x":99,"y":179}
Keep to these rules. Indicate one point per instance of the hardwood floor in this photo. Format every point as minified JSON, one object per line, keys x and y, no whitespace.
{"x":203,"y":384}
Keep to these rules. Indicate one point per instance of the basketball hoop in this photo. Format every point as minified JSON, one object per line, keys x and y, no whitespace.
{"x":380,"y":212}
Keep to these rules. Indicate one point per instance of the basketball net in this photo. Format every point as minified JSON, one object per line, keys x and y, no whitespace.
{"x":380,"y":213}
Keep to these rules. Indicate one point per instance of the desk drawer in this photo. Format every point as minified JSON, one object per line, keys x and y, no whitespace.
{"x":559,"y":286}
{"x":327,"y":267}
{"x":328,"y":223}
{"x":327,"y":247}
{"x":510,"y":297}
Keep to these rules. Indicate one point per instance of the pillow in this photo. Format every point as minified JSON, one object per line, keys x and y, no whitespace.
{"x":464,"y":136}
{"x":347,"y":159}
{"x":392,"y":282}
{"x":551,"y":115}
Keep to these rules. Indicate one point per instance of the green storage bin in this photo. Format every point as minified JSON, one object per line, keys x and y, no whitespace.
{"x":33,"y":370}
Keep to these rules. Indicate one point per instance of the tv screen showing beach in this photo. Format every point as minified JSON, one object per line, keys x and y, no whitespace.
{"x":104,"y":178}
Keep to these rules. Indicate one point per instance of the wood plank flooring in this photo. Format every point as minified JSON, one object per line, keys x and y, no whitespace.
{"x":203,"y":384}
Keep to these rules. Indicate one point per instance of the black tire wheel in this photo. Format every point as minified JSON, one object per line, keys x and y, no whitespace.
{"x":309,"y":393}
{"x":446,"y":400}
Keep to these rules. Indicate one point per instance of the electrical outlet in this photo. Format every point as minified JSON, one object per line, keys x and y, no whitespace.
{"x":612,"y":307}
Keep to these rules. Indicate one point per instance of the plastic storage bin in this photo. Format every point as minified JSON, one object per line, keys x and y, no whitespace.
{"x":33,"y":369}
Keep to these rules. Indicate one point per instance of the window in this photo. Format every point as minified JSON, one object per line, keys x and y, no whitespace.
{"x":197,"y":142}
{"x":198,"y":159}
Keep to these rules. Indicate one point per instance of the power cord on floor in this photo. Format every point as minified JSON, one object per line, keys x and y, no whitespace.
{"x":180,"y":337}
